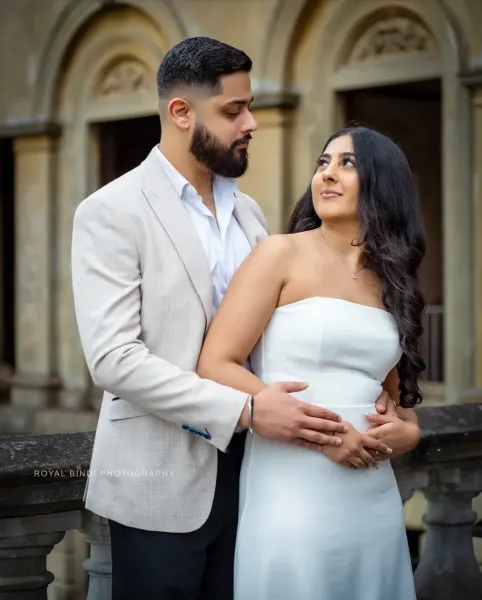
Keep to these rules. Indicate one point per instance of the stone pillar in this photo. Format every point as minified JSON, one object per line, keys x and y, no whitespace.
{"x":448,"y":569}
{"x":268,"y":179}
{"x":34,"y":384}
{"x":65,"y":562}
{"x":6,"y":201}
{"x":25,"y":543}
{"x":2,"y":295}
{"x":477,"y":232}
{"x":98,"y":566}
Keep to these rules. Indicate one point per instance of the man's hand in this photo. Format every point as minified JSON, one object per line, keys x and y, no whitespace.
{"x":353,"y":451}
{"x":384,"y":404}
{"x":278,"y":416}
{"x":402,"y":436}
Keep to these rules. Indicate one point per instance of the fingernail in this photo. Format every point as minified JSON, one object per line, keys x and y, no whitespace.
{"x":345,"y":429}
{"x":337,"y":441}
{"x":389,"y":450}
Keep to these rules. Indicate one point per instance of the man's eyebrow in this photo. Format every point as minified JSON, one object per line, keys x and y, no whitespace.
{"x":240,"y":101}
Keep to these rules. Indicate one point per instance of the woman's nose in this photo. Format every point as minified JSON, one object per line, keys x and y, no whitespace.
{"x":329,"y":174}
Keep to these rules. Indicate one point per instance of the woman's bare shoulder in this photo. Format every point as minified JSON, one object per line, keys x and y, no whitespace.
{"x":275,"y":246}
{"x":282,"y":247}
{"x":270,"y":258}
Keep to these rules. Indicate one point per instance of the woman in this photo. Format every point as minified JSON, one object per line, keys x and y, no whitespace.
{"x":337,"y":303}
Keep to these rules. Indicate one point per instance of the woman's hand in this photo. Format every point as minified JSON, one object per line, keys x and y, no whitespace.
{"x":401,"y":435}
{"x":355,"y":448}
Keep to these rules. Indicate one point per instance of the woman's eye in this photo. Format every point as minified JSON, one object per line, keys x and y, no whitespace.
{"x":348,"y":162}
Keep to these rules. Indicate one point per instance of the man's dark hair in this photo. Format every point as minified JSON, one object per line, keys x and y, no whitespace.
{"x":199,"y":61}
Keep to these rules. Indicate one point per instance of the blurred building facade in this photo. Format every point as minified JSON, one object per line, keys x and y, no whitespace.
{"x":79,"y":108}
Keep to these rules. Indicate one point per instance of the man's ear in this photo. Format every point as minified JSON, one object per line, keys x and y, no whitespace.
{"x":181,"y":112}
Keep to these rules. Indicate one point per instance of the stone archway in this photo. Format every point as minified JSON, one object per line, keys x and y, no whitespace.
{"x":404,"y":42}
{"x":370,"y":46}
{"x":361,"y":45}
{"x":275,"y":57}
{"x":290,"y":20}
{"x":110,"y":75}
{"x":76,"y":17}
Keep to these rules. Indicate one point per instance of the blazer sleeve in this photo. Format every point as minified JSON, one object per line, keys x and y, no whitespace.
{"x":106,"y":278}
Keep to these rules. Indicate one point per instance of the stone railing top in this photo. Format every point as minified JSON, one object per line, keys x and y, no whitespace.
{"x":47,"y":473}
{"x":449,"y":433}
{"x":43,"y":473}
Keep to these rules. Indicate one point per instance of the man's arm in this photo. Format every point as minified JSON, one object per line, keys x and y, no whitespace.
{"x":106,"y":280}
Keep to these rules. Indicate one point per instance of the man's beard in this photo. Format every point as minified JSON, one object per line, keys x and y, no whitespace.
{"x":221,"y":160}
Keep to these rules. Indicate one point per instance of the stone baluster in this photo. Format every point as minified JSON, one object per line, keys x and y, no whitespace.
{"x":98,"y":565}
{"x":448,"y":569}
{"x":25,"y":543}
{"x":409,"y":479}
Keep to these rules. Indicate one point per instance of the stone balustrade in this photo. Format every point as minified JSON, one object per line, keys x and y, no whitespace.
{"x":42,"y":480}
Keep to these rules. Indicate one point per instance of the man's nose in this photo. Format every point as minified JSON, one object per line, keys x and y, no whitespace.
{"x":250,"y":123}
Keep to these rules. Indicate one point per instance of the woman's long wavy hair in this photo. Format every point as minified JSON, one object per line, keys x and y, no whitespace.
{"x":393,"y":240}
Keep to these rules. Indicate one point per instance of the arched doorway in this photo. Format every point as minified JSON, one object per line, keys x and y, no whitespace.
{"x":409,"y":111}
{"x":107,"y":104}
{"x":363,"y":62}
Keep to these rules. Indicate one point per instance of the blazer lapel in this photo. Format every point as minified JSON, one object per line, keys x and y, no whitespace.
{"x":174,"y":218}
{"x":246,"y":220}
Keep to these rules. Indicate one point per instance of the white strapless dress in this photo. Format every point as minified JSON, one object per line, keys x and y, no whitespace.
{"x":310,"y":529}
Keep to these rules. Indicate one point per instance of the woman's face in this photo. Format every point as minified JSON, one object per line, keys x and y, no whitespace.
{"x":335,"y":185}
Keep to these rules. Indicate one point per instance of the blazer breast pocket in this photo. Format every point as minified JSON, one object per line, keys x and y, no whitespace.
{"x":121,"y":409}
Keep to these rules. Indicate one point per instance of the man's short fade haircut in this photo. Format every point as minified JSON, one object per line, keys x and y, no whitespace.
{"x":199,"y":62}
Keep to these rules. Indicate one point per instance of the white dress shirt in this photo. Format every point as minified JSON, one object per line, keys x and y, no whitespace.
{"x":224,"y":241}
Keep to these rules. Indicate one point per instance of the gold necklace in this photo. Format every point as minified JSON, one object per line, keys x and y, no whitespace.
{"x":353,"y":274}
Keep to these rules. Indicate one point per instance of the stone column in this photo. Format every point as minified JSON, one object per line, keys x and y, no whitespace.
{"x":34,"y":384}
{"x":448,"y":569}
{"x":5,"y":167}
{"x":477,"y":231}
{"x":98,"y":566}
{"x":268,"y":179}
{"x":2,"y":291}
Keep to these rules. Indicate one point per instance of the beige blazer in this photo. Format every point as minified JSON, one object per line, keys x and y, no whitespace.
{"x":142,"y":295}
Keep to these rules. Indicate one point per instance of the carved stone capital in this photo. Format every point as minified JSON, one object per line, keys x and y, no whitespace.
{"x":410,"y":480}
{"x":24,"y":546}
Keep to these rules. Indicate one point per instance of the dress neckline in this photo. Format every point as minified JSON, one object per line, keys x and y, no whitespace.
{"x":331,"y":299}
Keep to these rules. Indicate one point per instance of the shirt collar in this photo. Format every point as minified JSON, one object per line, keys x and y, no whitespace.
{"x":222,"y":186}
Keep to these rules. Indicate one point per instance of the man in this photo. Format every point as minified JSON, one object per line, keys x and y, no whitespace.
{"x":152,"y":255}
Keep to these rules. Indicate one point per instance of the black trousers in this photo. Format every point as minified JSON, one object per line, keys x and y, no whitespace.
{"x":198,"y":565}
